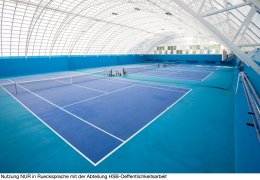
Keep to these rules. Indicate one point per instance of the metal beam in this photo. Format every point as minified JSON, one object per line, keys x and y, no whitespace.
{"x":228,"y":8}
{"x":248,"y":45}
{"x":218,"y":35}
{"x":246,"y":22}
{"x":256,"y":3}
{"x":201,"y":6}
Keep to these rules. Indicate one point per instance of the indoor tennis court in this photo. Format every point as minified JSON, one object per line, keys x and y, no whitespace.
{"x":100,"y":108}
{"x":129,"y":86}
{"x":174,"y":73}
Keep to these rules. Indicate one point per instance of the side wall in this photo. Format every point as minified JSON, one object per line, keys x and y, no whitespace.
{"x":202,"y":58}
{"x":20,"y":66}
{"x":82,"y":62}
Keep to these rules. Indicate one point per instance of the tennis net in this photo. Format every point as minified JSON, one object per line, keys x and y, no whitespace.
{"x":131,"y":70}
{"x":169,"y":64}
{"x":22,"y":87}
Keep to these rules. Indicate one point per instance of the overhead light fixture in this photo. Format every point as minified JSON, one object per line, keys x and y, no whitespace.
{"x":168,"y":13}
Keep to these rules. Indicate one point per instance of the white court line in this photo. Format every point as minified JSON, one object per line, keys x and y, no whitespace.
{"x":82,"y":86}
{"x":155,"y":84}
{"x":157,"y":75}
{"x":72,"y":114}
{"x":215,"y":67}
{"x":95,"y":164}
{"x":141,"y":129}
{"x":174,"y":73}
{"x":179,"y":77}
{"x":184,"y":78}
{"x":56,"y":78}
{"x":136,"y":81}
{"x":112,"y":80}
{"x":51,"y":129}
{"x":38,"y":77}
{"x":160,"y":88}
{"x":72,"y":85}
{"x":218,"y":67}
{"x":10,"y":81}
{"x":206,"y":77}
{"x":115,"y":80}
{"x":6,"y":83}
{"x":84,"y":100}
{"x":197,"y":69}
{"x":89,"y":88}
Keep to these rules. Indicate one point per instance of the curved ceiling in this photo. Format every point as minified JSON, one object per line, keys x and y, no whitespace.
{"x":68,"y":27}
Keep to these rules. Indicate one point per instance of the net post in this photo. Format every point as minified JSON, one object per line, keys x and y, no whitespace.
{"x":15,"y":86}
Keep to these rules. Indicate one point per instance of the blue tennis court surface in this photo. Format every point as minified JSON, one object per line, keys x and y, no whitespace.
{"x":177,"y":74}
{"x":195,"y":67}
{"x":98,"y":116}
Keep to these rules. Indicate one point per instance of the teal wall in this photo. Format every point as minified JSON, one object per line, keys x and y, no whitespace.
{"x":82,"y":62}
{"x":19,"y":66}
{"x":206,"y":58}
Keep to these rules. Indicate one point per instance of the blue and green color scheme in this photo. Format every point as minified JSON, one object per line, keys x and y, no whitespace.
{"x":180,"y":117}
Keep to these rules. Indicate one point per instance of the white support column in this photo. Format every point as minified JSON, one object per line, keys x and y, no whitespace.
{"x":222,"y":38}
